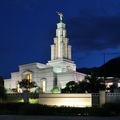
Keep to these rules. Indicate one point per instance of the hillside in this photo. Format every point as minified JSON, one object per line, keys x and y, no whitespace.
{"x":109,"y":69}
{"x":86,"y":70}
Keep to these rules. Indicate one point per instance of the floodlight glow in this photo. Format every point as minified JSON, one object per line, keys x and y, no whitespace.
{"x":73,"y":103}
{"x":71,"y":100}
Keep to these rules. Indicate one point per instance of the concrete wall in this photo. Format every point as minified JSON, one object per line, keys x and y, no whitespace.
{"x":7,"y":83}
{"x":73,"y":100}
{"x":66,"y":77}
{"x":15,"y":77}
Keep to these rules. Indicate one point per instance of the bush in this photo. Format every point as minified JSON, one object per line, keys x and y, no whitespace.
{"x":10,"y":108}
{"x":37,"y":109}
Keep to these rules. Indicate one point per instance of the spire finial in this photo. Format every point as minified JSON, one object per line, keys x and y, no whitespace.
{"x":61,"y":16}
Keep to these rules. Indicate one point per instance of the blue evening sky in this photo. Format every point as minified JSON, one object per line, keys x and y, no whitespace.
{"x":27,"y":29}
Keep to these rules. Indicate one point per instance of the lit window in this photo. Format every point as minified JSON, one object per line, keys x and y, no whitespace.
{"x":43,"y":85}
{"x":29,"y":77}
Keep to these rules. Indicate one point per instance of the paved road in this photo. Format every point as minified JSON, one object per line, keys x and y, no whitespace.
{"x":18,"y":117}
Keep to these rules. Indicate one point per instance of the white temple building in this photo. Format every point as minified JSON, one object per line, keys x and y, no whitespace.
{"x":57,"y":72}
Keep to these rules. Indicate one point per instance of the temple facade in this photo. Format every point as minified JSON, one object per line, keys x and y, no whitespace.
{"x":57,"y":72}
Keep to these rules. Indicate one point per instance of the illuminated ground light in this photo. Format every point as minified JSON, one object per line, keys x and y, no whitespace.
{"x":73,"y":102}
{"x":32,"y":101}
{"x":66,"y":100}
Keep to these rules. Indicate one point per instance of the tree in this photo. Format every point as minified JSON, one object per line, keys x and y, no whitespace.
{"x":82,"y":87}
{"x":3,"y":94}
{"x":71,"y":87}
{"x":91,"y":84}
{"x":75,"y":87}
{"x":1,"y":80}
{"x":112,"y":87}
{"x":25,"y":84}
{"x":95,"y":83}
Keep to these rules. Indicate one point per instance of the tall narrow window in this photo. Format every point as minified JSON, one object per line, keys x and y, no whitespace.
{"x":29,"y":77}
{"x":43,"y":85}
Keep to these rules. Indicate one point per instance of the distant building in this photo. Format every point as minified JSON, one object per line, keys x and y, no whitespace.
{"x":57,"y":72}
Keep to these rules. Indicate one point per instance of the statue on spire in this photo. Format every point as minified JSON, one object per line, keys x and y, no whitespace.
{"x":61,"y":16}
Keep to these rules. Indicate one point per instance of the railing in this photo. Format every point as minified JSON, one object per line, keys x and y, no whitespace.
{"x":31,"y":95}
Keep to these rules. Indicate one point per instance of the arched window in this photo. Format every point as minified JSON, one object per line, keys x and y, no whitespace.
{"x":27,"y":74}
{"x":29,"y":77}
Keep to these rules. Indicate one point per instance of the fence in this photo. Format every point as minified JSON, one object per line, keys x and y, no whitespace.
{"x":16,"y":97}
{"x":112,"y":97}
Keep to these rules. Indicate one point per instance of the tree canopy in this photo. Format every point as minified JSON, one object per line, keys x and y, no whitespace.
{"x":75,"y":87}
{"x":95,"y":83}
{"x":1,"y":80}
{"x":25,"y":84}
{"x":91,"y":84}
{"x":2,"y":89}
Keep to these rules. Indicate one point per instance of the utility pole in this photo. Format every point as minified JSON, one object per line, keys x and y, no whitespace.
{"x":104,"y":67}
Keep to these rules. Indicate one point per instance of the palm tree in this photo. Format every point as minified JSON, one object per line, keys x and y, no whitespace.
{"x":25,"y":84}
{"x":82,"y":87}
{"x":95,"y":83}
{"x":91,"y":84}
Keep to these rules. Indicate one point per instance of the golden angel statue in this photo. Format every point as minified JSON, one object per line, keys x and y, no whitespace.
{"x":61,"y":16}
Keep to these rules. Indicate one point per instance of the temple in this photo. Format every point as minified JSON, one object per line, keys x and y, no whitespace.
{"x":57,"y":72}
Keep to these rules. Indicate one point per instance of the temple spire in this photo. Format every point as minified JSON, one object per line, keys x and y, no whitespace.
{"x":61,"y":50}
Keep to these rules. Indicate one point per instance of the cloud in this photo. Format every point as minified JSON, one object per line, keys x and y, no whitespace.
{"x":97,"y":33}
{"x":95,"y":29}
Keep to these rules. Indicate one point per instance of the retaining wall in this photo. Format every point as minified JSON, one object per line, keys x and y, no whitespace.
{"x":73,"y":100}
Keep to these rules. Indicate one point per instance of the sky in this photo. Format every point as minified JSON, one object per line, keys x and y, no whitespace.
{"x":27,"y":29}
